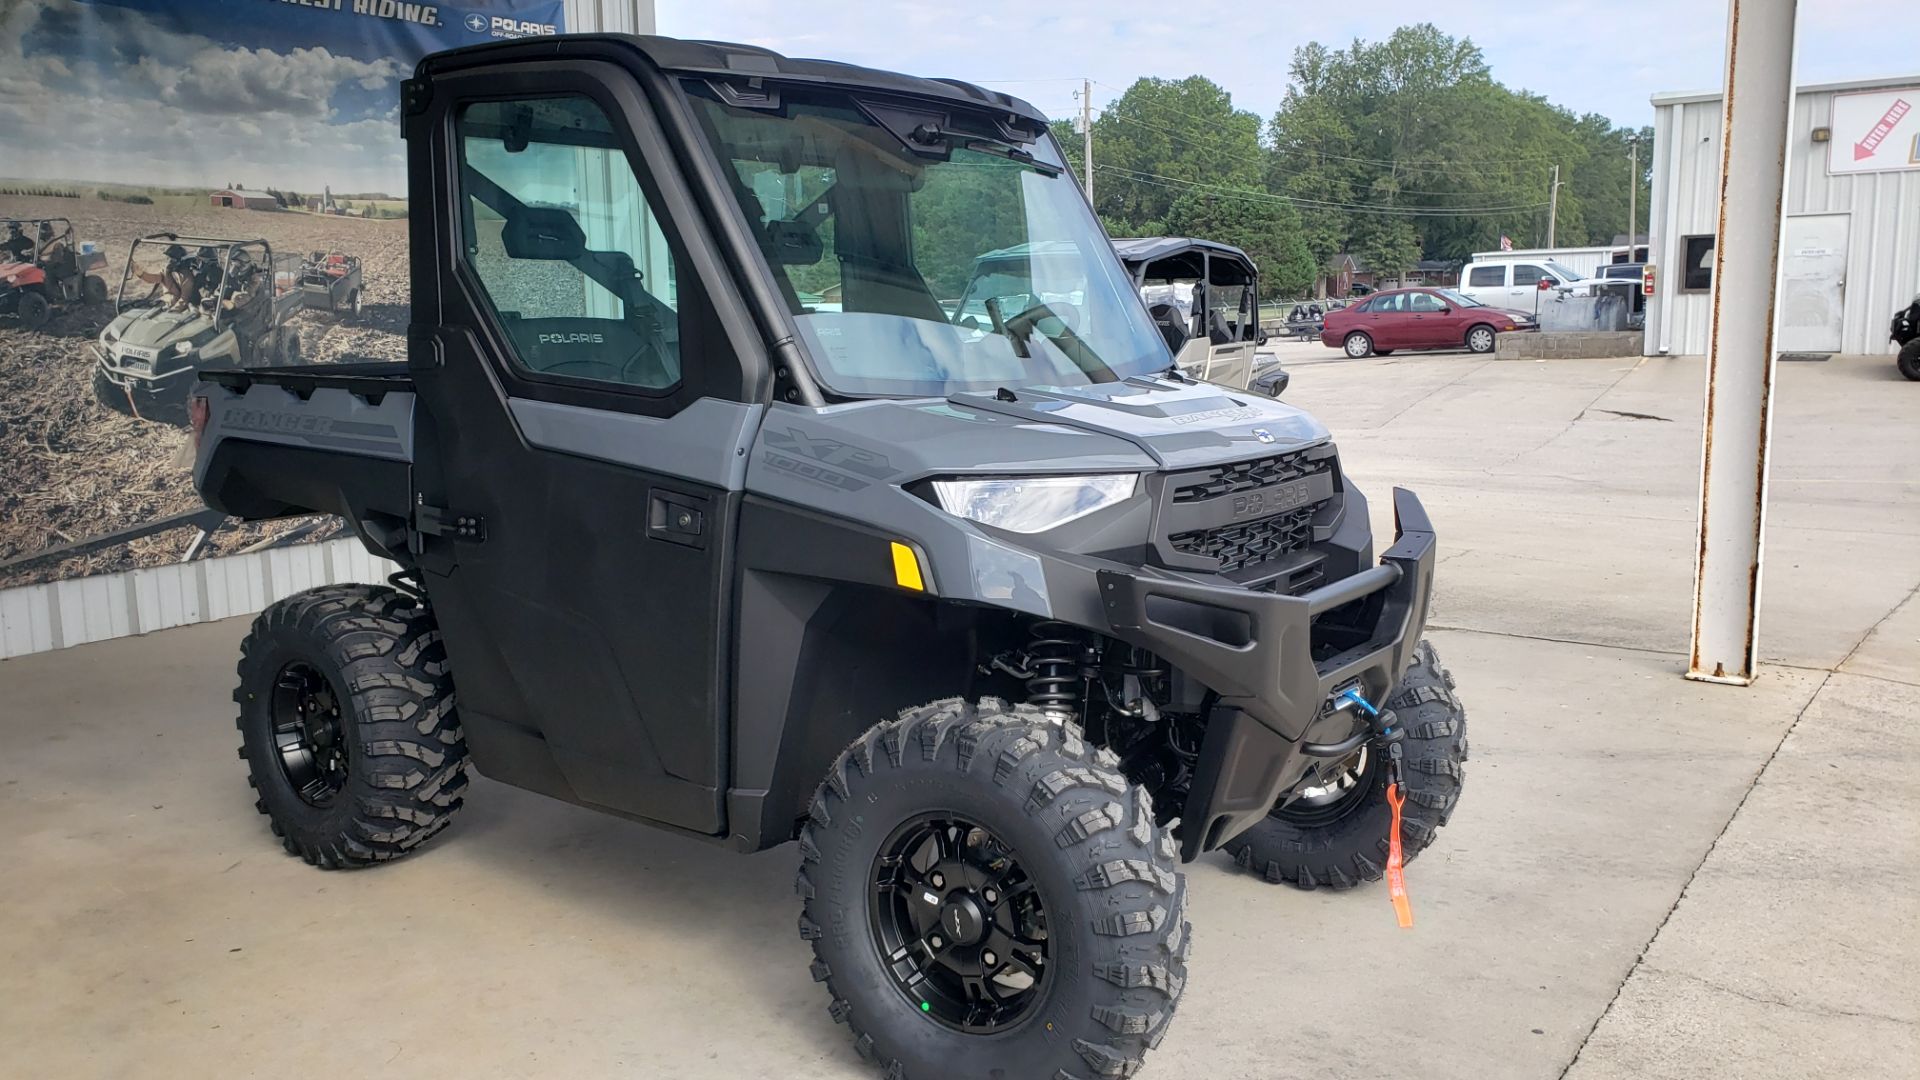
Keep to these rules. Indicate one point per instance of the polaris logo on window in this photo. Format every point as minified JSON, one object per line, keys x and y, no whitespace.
{"x":500,"y":26}
{"x":573,"y":339}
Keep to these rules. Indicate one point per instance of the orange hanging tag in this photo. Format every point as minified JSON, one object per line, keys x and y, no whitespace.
{"x":1396,"y":874}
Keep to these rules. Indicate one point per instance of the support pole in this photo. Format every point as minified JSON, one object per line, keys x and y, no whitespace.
{"x":1086,"y":134}
{"x":1755,"y":129}
{"x":1553,"y":208}
{"x":1633,"y":200}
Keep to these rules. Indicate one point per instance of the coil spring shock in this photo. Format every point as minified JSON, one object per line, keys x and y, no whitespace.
{"x":1054,"y":656}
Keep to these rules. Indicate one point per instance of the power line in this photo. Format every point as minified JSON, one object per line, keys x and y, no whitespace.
{"x":1158,"y":180}
{"x":1264,"y":167}
{"x":1434,"y":164}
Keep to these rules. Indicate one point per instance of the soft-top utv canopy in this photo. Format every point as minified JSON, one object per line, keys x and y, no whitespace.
{"x":1217,"y":263}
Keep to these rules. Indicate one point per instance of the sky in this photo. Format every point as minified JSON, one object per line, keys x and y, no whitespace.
{"x":1604,"y":56}
{"x":208,"y":92}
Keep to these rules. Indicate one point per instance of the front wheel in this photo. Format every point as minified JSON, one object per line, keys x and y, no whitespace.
{"x":1909,"y":360}
{"x":347,"y":725}
{"x":1480,"y":339}
{"x":987,"y":894}
{"x":1359,"y":346}
{"x":1335,"y":833}
{"x":33,"y":310}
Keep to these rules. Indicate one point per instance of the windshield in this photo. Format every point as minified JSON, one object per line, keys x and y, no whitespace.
{"x":1458,"y":299}
{"x":958,"y":264}
{"x":1564,"y":273}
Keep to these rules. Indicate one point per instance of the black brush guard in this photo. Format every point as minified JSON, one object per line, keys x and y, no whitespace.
{"x":1257,"y":651}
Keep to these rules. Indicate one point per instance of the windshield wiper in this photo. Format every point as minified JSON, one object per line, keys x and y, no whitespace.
{"x":927,"y":134}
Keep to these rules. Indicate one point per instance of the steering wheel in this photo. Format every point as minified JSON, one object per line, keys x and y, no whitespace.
{"x":1067,"y":314}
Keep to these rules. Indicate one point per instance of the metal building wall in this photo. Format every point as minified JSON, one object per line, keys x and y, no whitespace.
{"x":610,"y":16}
{"x":1883,"y":250}
{"x":36,"y":618}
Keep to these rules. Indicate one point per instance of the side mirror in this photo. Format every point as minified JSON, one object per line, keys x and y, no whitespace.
{"x":545,"y":233}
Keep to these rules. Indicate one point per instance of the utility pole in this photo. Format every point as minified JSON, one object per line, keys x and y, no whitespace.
{"x":1553,"y":208}
{"x":1086,"y":135}
{"x":1755,"y":149}
{"x":1633,"y":199}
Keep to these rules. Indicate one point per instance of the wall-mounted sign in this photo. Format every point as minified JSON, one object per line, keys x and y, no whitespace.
{"x":1878,"y":131}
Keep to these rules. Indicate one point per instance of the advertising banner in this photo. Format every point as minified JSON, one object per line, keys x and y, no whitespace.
{"x":187,"y":184}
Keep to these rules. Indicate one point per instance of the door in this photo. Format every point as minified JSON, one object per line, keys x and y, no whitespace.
{"x":1385,"y":320}
{"x":1524,"y":294}
{"x":1430,"y":323}
{"x":1813,"y":284}
{"x":584,"y":415}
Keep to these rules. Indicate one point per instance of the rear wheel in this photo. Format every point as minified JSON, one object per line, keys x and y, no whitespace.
{"x":347,"y":725}
{"x":93,"y":290}
{"x":353,"y":303}
{"x":1480,"y":339}
{"x":1909,"y":360}
{"x":290,"y":351}
{"x":1335,"y":834}
{"x":985,"y":892}
{"x":1359,"y":346}
{"x":33,"y":310}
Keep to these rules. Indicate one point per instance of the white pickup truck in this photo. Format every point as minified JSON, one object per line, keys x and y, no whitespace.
{"x":1516,"y":282}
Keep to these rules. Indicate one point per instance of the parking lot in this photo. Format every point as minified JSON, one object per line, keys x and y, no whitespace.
{"x":1647,"y":877}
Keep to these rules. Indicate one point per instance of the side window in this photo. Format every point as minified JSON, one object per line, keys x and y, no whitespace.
{"x":1696,"y":265}
{"x":1390,"y":304}
{"x":1527,"y":277}
{"x":1487,"y":277}
{"x":1425,"y":303}
{"x":569,"y":252}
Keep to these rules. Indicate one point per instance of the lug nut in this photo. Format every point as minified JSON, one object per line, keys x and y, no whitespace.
{"x":938,"y":880}
{"x":992,"y":897}
{"x":988,"y":958}
{"x":935,"y":941}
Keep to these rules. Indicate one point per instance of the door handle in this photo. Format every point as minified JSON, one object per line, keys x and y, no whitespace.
{"x":677,"y":519}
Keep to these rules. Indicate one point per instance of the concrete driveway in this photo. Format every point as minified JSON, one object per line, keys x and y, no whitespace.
{"x":1647,"y":877}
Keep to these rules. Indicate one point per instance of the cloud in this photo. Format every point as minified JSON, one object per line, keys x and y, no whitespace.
{"x":95,"y":92}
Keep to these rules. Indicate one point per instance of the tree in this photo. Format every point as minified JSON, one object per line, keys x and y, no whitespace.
{"x":1263,"y":226}
{"x":1162,"y":138}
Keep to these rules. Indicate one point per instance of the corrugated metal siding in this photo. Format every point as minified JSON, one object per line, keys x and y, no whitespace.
{"x":36,"y":618}
{"x":1883,"y":249}
{"x":609,"y":16}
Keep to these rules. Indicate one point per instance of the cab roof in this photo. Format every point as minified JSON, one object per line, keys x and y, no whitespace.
{"x":731,"y":60}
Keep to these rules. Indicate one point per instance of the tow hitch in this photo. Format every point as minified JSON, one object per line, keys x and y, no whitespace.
{"x":1387,"y":737}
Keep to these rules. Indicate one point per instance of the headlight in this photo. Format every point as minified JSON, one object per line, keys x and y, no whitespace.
{"x":182,"y":349}
{"x":1030,"y":504}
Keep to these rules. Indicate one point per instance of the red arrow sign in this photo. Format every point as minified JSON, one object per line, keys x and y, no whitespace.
{"x":1870,"y":145}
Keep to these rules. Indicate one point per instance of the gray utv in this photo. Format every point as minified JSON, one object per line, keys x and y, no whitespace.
{"x":187,"y":304}
{"x":723,"y":514}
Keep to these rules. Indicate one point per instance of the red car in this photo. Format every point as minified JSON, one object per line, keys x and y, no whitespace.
{"x":1419,"y":319}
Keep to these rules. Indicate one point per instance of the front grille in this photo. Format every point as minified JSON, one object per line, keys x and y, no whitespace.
{"x":1240,"y":546}
{"x":1248,"y":476}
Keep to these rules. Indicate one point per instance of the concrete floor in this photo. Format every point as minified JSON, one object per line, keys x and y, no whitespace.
{"x":1647,"y":878}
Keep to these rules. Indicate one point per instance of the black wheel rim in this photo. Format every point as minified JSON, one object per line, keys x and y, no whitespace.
{"x":960,"y":924}
{"x":1342,"y":791}
{"x":307,"y":734}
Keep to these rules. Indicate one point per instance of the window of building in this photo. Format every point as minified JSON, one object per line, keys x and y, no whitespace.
{"x":1696,"y":263}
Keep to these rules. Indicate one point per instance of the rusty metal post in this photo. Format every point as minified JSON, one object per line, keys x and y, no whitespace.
{"x":1755,"y":136}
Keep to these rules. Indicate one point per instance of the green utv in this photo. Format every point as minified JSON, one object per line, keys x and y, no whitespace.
{"x":721,"y":514}
{"x":187,"y":304}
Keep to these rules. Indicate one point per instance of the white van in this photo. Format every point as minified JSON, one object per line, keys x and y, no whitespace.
{"x":1515,"y":282}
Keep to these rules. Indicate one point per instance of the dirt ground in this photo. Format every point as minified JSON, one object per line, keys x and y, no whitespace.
{"x":70,"y":468}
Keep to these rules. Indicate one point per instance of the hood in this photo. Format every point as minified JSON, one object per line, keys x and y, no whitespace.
{"x":156,"y":327}
{"x":1180,"y":425}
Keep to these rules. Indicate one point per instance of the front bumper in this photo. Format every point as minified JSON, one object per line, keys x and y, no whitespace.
{"x":1258,"y":652}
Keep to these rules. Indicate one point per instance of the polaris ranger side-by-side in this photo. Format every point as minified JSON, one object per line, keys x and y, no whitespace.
{"x":1002,"y":619}
{"x":188,"y":304}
